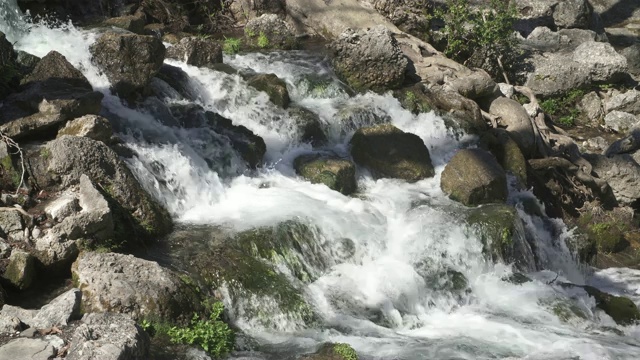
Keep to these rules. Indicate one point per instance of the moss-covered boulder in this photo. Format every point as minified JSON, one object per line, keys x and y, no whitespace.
{"x":333,"y":351}
{"x":275,"y":87}
{"x":474,"y":177}
{"x":507,"y":152}
{"x":391,"y":153}
{"x":337,"y":173}
{"x":21,"y":270}
{"x":269,"y":32}
{"x":622,"y":310}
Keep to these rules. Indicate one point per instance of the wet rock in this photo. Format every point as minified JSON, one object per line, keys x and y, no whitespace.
{"x":337,"y":173}
{"x":369,"y":60}
{"x":269,"y":32}
{"x":132,"y":23}
{"x":60,"y":163}
{"x":620,"y":121}
{"x":390,"y":152}
{"x":124,"y":284}
{"x":21,"y":269}
{"x":275,"y":87}
{"x":91,"y":126}
{"x":465,"y":113}
{"x":129,"y":61}
{"x":27,"y":62}
{"x":474,"y":177}
{"x":25,"y":348}
{"x":178,"y":80}
{"x":196,"y":51}
{"x":250,"y":146}
{"x":108,"y":336}
{"x":507,"y":152}
{"x":157,"y":30}
{"x":333,"y":351}
{"x":353,"y":117}
{"x":621,"y":172}
{"x":516,"y":121}
{"x":309,"y":125}
{"x":622,"y":310}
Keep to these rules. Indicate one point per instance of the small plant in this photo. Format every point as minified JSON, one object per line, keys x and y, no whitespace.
{"x":231,"y":45}
{"x":563,"y":107}
{"x":249,"y":32}
{"x":345,"y":351}
{"x":263,"y":41}
{"x":211,"y":334}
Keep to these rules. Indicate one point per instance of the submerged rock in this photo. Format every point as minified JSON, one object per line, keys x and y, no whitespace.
{"x":369,"y":60}
{"x":622,"y":310}
{"x":392,"y":153}
{"x":474,"y":177}
{"x":333,"y":351}
{"x":309,"y":125}
{"x":275,"y":87}
{"x":337,"y":173}
{"x":250,"y":146}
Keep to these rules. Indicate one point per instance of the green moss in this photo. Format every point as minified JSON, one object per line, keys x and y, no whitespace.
{"x":10,"y":170}
{"x":495,"y":224}
{"x":45,"y":153}
{"x":567,"y":310}
{"x":249,"y":32}
{"x":231,"y":45}
{"x":608,"y":235}
{"x":263,"y":40}
{"x":562,"y":108}
{"x":346,"y":351}
{"x":621,"y":309}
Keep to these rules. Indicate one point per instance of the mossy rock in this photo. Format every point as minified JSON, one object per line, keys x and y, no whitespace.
{"x":275,"y":87}
{"x":21,"y":270}
{"x":621,"y":309}
{"x":566,"y":310}
{"x":333,"y":351}
{"x":413,"y":99}
{"x":507,"y":152}
{"x":337,"y":173}
{"x":9,"y":176}
{"x":309,"y":125}
{"x":606,"y":232}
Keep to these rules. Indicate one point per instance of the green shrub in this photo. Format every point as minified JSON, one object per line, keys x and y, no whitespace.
{"x":231,"y":45}
{"x":263,"y":41}
{"x":562,"y":108}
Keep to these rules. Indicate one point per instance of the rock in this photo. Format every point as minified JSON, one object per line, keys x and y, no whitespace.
{"x":8,"y":67}
{"x":621,"y":172}
{"x":516,"y":121}
{"x":333,"y":351}
{"x":21,"y":270}
{"x":622,"y":310}
{"x":91,"y":126}
{"x":620,"y":121}
{"x":628,"y":102}
{"x":196,"y":51}
{"x":309,"y":125}
{"x":61,"y":162}
{"x":269,"y":32}
{"x":129,"y":61}
{"x":124,"y":284}
{"x":476,"y":85}
{"x":465,"y":113}
{"x":10,"y":177}
{"x":572,"y":14}
{"x":390,"y":152}
{"x":628,"y":144}
{"x":632,"y":54}
{"x":245,"y":10}
{"x":250,"y":146}
{"x":474,"y":177}
{"x":178,"y":80}
{"x":543,"y":39}
{"x":602,"y":60}
{"x":132,"y":23}
{"x":351,"y":117}
{"x":11,"y":224}
{"x":507,"y":152}
{"x":369,"y":60}
{"x":407,"y":15}
{"x":591,"y":106}
{"x":157,"y":30}
{"x":54,"y":67}
{"x":337,"y":173}
{"x":275,"y":87}
{"x":26,"y":61}
{"x":59,"y":312}
{"x":28,"y":349}
{"x":108,"y":336}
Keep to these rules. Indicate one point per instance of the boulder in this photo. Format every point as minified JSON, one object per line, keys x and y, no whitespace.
{"x":250,"y":146}
{"x":20,"y":271}
{"x":10,"y":176}
{"x":507,"y":152}
{"x":463,"y":112}
{"x":309,"y":125}
{"x":602,"y":61}
{"x":108,"y":336}
{"x":132,"y":23}
{"x":178,"y":80}
{"x":632,"y":54}
{"x":59,"y":312}
{"x":474,"y":177}
{"x":544,"y":39}
{"x":476,"y":85}
{"x":337,"y":173}
{"x":60,"y":163}
{"x":269,"y":32}
{"x":628,"y":101}
{"x":196,"y":51}
{"x":369,"y":60}
{"x":591,"y":106}
{"x":139,"y":288}
{"x":91,"y":126}
{"x":621,"y":172}
{"x":11,"y":225}
{"x":622,"y":310}
{"x":8,"y":67}
{"x":26,"y":61}
{"x":275,"y":87}
{"x":245,"y":10}
{"x":26,"y":348}
{"x":407,"y":15}
{"x":391,"y":153}
{"x":620,"y":121}
{"x":129,"y":61}
{"x":333,"y":351}
{"x":514,"y":118}
{"x":572,"y":14}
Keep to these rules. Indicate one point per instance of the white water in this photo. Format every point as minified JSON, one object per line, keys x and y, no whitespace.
{"x":402,"y":233}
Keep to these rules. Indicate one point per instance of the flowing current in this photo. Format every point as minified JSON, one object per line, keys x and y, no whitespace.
{"x":381,"y":290}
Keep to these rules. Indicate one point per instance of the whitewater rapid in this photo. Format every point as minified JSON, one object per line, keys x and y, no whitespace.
{"x":395,"y":227}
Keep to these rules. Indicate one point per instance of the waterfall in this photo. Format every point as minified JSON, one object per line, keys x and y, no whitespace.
{"x":396,"y":271}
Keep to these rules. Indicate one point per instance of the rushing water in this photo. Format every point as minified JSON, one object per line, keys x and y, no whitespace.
{"x":400,"y":235}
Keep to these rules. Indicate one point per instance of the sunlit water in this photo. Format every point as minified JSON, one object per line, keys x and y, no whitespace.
{"x":401,"y":233}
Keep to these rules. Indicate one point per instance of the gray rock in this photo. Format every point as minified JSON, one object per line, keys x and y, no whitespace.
{"x":109,"y":336}
{"x":337,"y":173}
{"x":632,"y":54}
{"x":197,"y":52}
{"x":620,"y":121}
{"x":391,"y":153}
{"x":11,"y":224}
{"x":595,"y":144}
{"x":476,"y":85}
{"x":591,"y":106}
{"x":309,"y":125}
{"x":59,"y":311}
{"x":515,"y":119}
{"x":572,"y":14}
{"x":507,"y":90}
{"x":277,"y":33}
{"x":369,"y":60}
{"x":602,"y":60}
{"x":27,"y":349}
{"x":61,"y":162}
{"x":64,"y":206}
{"x":5,"y":250}
{"x":128,"y":285}
{"x":129,"y":61}
{"x":8,"y":60}
{"x":464,"y":113}
{"x":628,"y":102}
{"x":21,"y":270}
{"x":275,"y":87}
{"x":132,"y":23}
{"x":92,"y":126}
{"x":474,"y":177}
{"x":407,"y":15}
{"x":245,"y":10}
{"x":26,"y":61}
{"x":621,"y":172}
